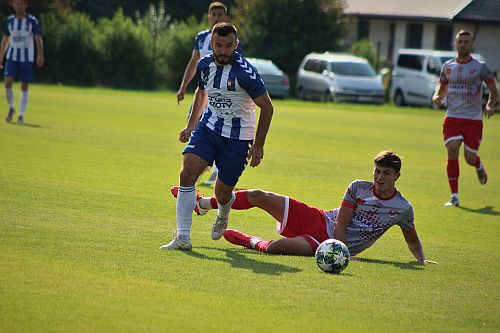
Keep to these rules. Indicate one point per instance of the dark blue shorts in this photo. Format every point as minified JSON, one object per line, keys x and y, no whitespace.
{"x":23,"y":70}
{"x":230,"y":155}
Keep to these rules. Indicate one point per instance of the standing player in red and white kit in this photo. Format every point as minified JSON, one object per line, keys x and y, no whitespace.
{"x":461,"y":82}
{"x":368,"y":210}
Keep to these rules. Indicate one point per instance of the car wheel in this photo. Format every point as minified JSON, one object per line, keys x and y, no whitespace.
{"x":302,"y":94}
{"x":399,"y":99}
{"x":327,"y":97}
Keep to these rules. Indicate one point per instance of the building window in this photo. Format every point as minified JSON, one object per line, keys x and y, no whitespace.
{"x":363,"y":29}
{"x":392,"y":37}
{"x":444,"y":35}
{"x":414,"y":36}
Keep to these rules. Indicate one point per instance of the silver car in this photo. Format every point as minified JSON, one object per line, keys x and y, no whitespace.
{"x":277,"y":82}
{"x":338,"y":77}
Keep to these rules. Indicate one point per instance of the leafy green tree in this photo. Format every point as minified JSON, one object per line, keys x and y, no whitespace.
{"x":125,"y":51}
{"x":286,"y":30}
{"x":365,"y":49}
{"x":157,"y":20}
{"x":70,"y":50}
{"x":178,"y":47}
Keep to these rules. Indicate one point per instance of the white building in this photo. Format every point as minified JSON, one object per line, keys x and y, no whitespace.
{"x":425,"y":24}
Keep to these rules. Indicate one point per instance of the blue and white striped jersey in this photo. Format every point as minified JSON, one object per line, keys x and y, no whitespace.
{"x":202,"y":43}
{"x":21,"y":32}
{"x":231,"y":89}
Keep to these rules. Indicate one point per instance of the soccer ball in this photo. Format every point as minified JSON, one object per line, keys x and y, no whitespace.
{"x":332,"y":256}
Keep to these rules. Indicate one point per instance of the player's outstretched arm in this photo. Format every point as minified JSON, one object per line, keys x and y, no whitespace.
{"x":39,"y":48}
{"x":189,"y":73}
{"x":200,"y":100}
{"x":493,"y":98}
{"x":343,"y":218}
{"x":415,"y":246}
{"x":256,"y":151}
{"x":3,"y":48}
{"x":440,"y":94}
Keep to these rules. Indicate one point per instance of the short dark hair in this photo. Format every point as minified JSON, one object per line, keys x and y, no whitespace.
{"x":388,"y":159}
{"x":224,"y":29}
{"x":464,"y":32}
{"x":217,"y":5}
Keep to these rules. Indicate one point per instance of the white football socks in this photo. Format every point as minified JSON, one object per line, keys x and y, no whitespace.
{"x":9,"y":93}
{"x":24,"y":102}
{"x":186,"y":202}
{"x":224,"y":210}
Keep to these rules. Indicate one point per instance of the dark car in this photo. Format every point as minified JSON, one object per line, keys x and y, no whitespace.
{"x":277,"y":82}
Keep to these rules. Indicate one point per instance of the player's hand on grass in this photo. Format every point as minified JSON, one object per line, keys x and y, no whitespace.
{"x":255,"y":154}
{"x":185,"y":134}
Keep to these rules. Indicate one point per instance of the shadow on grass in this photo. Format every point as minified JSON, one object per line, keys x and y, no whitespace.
{"x":28,"y":125}
{"x":408,"y":265}
{"x":488,"y":210}
{"x":237,"y":259}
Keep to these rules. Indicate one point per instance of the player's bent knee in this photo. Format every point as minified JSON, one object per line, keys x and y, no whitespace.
{"x":255,"y":196}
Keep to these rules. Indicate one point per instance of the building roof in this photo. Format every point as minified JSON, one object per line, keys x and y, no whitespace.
{"x":483,"y":11}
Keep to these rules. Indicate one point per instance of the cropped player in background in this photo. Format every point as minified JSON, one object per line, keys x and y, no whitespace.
{"x":461,"y":82}
{"x":217,"y":12}
{"x":229,"y":88}
{"x":367,"y":211}
{"x":17,"y":43}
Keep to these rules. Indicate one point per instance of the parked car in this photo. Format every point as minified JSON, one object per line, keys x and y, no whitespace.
{"x":416,"y":75}
{"x":277,"y":82}
{"x":338,"y":77}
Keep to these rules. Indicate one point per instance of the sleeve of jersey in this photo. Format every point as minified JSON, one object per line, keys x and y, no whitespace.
{"x":442,"y":77}
{"x":196,"y":44}
{"x":252,"y":83}
{"x":199,"y":78}
{"x":486,"y":74}
{"x":407,"y":222}
{"x":6,"y":32}
{"x":349,"y":199}
{"x":36,"y":27}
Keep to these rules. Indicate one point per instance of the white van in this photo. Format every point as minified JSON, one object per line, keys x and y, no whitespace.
{"x":338,"y":77}
{"x":416,"y":75}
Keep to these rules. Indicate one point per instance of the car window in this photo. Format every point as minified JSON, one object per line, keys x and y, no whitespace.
{"x":445,"y":59}
{"x":266,"y":68}
{"x":411,"y":61}
{"x":433,"y":66}
{"x":352,"y":69}
{"x":311,"y":65}
{"x":323,"y":66}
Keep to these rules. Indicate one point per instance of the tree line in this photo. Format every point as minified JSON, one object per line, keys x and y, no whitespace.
{"x":147,"y":47}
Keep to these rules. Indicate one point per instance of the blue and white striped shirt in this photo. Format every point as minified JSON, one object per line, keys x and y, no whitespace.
{"x":21,"y":32}
{"x":231,"y":89}
{"x":202,"y":43}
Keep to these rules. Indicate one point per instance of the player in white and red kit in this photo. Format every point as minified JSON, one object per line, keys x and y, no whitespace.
{"x":367,"y":211}
{"x":461,"y":82}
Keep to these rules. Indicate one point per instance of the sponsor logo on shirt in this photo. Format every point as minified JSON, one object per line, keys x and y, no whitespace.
{"x":219,"y":102}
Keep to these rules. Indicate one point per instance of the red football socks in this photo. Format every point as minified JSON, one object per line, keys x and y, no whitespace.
{"x":240,"y":203}
{"x":453,"y":172}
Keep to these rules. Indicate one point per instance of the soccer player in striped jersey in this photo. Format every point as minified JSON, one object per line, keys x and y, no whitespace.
{"x":461,"y":82}
{"x":22,"y":30}
{"x":217,"y":12}
{"x":229,"y":88}
{"x":368,"y":210}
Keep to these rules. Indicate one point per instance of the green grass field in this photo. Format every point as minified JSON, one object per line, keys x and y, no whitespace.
{"x":85,"y":205}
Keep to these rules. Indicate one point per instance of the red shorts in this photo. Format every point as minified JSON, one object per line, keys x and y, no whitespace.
{"x":467,"y":130}
{"x":305,"y":221}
